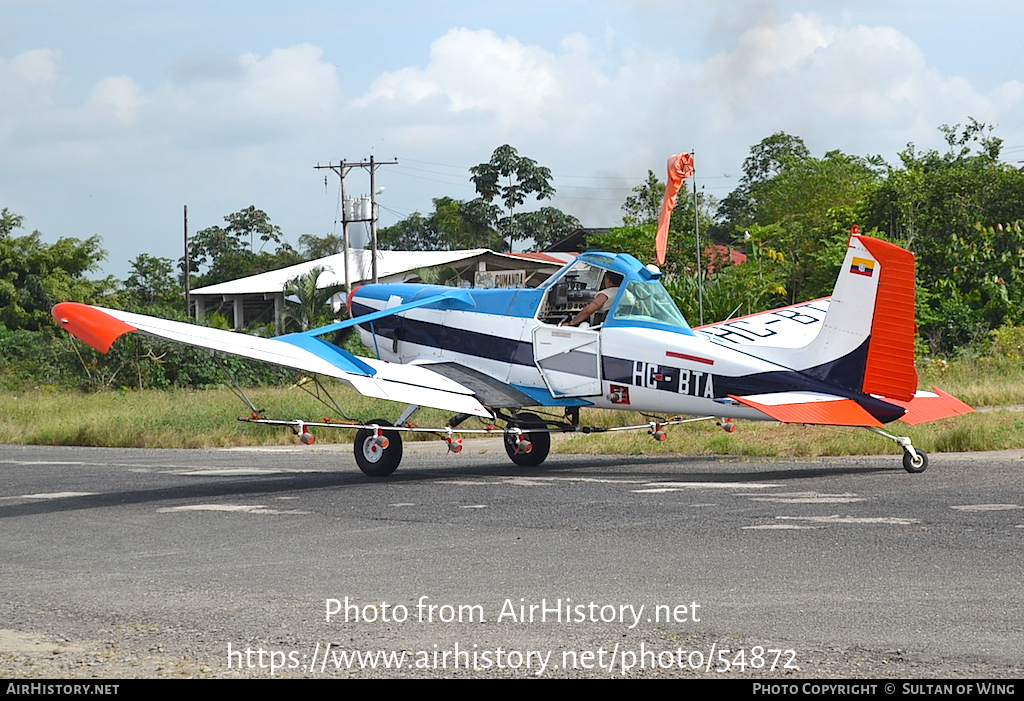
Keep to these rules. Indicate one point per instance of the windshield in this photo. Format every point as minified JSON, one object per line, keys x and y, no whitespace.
{"x":583,"y":276}
{"x":649,"y":302}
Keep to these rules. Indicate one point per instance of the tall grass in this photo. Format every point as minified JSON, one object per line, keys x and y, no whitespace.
{"x":979,"y":380}
{"x":177,"y":418}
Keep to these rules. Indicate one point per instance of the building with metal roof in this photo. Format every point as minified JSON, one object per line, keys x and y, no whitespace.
{"x":261,"y":299}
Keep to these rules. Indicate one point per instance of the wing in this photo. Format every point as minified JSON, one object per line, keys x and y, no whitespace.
{"x":410,"y":384}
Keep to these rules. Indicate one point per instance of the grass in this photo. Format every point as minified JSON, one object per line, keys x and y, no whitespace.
{"x":979,"y":380}
{"x":177,"y":419}
{"x":208,"y":419}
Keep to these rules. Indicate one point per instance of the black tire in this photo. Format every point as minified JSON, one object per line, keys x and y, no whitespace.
{"x":374,"y":460}
{"x":915,"y":466}
{"x":541,"y":441}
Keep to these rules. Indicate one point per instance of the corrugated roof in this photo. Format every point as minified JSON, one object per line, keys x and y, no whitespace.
{"x":388,"y":263}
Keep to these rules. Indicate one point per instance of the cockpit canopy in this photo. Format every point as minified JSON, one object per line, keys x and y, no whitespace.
{"x":641,"y":300}
{"x":647,"y":301}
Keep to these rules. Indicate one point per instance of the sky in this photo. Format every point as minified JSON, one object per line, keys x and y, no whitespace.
{"x":114,"y":115}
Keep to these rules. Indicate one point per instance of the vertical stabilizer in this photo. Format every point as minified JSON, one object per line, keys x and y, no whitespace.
{"x":866,"y":343}
{"x":890,"y":369}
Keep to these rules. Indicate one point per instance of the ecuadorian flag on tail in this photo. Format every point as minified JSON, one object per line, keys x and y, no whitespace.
{"x":862,"y":266}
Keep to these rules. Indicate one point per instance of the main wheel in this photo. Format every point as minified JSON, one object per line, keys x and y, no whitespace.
{"x":912,"y":465}
{"x":539,"y":440}
{"x":373,"y":459}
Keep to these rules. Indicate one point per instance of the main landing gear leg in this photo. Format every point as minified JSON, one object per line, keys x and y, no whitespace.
{"x":914,"y":460}
{"x":407,"y":414}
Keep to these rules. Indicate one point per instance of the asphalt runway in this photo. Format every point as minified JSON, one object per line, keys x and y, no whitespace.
{"x":154,"y":562}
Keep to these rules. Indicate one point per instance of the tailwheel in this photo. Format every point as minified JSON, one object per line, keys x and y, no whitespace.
{"x":378,"y":452}
{"x":914,"y":460}
{"x":915,"y":464}
{"x":527,"y":448}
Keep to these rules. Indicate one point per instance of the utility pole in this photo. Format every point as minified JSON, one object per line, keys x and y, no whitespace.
{"x":188,"y":269}
{"x":373,"y":220}
{"x":342,"y":169}
{"x":696,"y":229}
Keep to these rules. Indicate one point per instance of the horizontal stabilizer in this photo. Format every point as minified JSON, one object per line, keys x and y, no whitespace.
{"x":931,"y":406}
{"x":810,"y":408}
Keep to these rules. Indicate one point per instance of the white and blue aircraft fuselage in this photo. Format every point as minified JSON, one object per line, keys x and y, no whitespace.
{"x":643,"y":355}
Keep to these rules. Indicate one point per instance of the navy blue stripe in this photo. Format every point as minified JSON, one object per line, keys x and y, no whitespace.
{"x":480,"y":345}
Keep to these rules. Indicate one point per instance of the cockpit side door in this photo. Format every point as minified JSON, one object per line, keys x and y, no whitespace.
{"x":569,"y":360}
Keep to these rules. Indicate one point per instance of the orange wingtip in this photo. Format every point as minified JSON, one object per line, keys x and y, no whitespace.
{"x":91,"y":325}
{"x":922,"y":409}
{"x":838,"y":412}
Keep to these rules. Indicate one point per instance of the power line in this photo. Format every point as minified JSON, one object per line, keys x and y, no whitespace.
{"x":342,"y":170}
{"x":555,"y":176}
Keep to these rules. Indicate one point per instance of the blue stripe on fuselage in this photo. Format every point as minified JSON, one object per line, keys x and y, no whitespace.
{"x":545,"y":398}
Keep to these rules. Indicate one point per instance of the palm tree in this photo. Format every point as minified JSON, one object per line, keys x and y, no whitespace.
{"x":313,"y":309}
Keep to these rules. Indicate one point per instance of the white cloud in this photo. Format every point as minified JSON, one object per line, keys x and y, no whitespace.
{"x":258,"y":99}
{"x":772,"y":48}
{"x":604,"y":107}
{"x":27,"y":79}
{"x":857,"y":88}
{"x":236,"y":129}
{"x":475,"y":70}
{"x":121,"y":94}
{"x":36,"y":66}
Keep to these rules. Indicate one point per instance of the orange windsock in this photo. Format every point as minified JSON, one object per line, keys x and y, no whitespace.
{"x":680,"y":167}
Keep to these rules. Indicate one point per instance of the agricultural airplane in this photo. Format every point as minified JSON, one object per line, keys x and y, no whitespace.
{"x":492,"y":354}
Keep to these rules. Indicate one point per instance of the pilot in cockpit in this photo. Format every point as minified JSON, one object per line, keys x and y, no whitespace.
{"x":602,"y":302}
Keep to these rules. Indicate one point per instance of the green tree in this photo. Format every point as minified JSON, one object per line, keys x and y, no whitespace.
{"x":768,"y":159}
{"x":314,"y":247}
{"x":511,"y":178}
{"x":414,"y":233}
{"x":805,"y":204}
{"x":313,"y":308}
{"x":9,"y":221}
{"x":644,"y":205}
{"x":466,"y":224}
{"x":151,"y":283}
{"x":959,"y":212}
{"x":228,"y":253}
{"x":453,"y":225}
{"x":814,"y":202}
{"x":35,"y":275}
{"x":547,"y":226}
{"x":253,"y":223}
